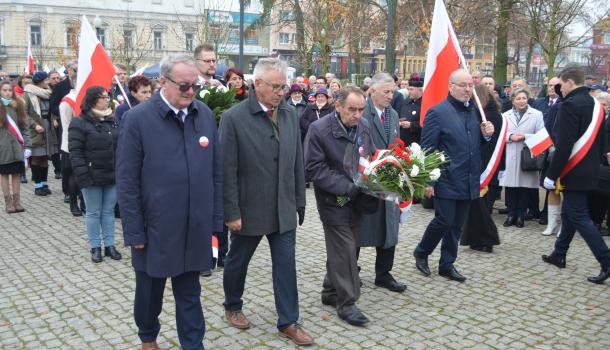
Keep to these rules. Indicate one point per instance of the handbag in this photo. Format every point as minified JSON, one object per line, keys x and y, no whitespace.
{"x":531,"y":163}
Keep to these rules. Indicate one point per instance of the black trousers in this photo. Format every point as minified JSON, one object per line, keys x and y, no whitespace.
{"x":598,"y":207}
{"x":384,"y":262}
{"x":189,"y":314}
{"x":517,"y":201}
{"x":533,"y":202}
{"x":68,"y":182}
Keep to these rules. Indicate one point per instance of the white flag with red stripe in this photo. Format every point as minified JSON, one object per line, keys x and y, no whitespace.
{"x":94,"y":66}
{"x":443,"y":58}
{"x":539,"y":142}
{"x":29,"y":61}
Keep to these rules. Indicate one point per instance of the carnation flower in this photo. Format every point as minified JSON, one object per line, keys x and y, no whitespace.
{"x":435,"y":174}
{"x":203,"y":92}
{"x":414,"y":171}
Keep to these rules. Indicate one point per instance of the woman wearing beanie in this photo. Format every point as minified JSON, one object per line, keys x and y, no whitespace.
{"x":92,"y":142}
{"x":42,"y":125}
{"x":12,"y":145}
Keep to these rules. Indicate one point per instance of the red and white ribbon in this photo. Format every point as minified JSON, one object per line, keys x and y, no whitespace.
{"x":14,"y":129}
{"x":494,"y":161}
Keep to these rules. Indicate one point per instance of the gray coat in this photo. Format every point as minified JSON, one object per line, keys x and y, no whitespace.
{"x":264,"y":180}
{"x":381,"y":228}
{"x":531,"y":122}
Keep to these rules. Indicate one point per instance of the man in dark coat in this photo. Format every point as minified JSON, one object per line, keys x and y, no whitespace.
{"x":410,"y":130}
{"x":264,"y":190}
{"x":380,"y":229}
{"x":325,"y":165}
{"x":169,"y":177}
{"x":452,"y":127}
{"x":576,"y":116}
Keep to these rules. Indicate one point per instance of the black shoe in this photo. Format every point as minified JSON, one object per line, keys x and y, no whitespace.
{"x":24,"y":179}
{"x":207,"y":273}
{"x":74,"y":209}
{"x":503,"y":211}
{"x":112,"y":253}
{"x":530,"y":216}
{"x":40,"y":192}
{"x":544,"y":220}
{"x":452,"y":274}
{"x":330,"y":300}
{"x":307,"y":185}
{"x":66,"y":198}
{"x":392,"y":286}
{"x":519,"y":222}
{"x":599,"y":279}
{"x":510,"y":221}
{"x":96,"y":255}
{"x":356,"y":318}
{"x":46,"y":189}
{"x":488,"y":249}
{"x":422,"y":265}
{"x":553,"y":260}
{"x":58,"y":176}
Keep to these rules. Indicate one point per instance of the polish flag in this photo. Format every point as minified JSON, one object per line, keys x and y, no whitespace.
{"x":214,"y":250}
{"x":94,"y":66}
{"x":29,"y":61}
{"x":539,"y":142}
{"x":443,"y":58}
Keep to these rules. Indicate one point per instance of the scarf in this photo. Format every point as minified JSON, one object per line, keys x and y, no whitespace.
{"x":6,"y":101}
{"x":34,"y":93}
{"x":101,"y":114}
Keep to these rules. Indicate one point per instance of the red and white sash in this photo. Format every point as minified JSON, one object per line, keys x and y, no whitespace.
{"x":70,"y":99}
{"x":14,"y":129}
{"x":583,"y":144}
{"x":494,"y":161}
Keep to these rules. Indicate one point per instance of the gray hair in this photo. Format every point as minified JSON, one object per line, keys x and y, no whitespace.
{"x":344,"y":93}
{"x":603,"y":96}
{"x":455,"y":73}
{"x":70,"y":64}
{"x":265,"y":65}
{"x":168,"y":62}
{"x":380,"y":78}
{"x":516,"y":92}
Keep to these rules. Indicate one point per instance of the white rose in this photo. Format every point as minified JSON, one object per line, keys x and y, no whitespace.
{"x":415,"y":148}
{"x":203,"y":92}
{"x":442,"y":157}
{"x":414,"y":171}
{"x":222,"y":88}
{"x":435,"y":174}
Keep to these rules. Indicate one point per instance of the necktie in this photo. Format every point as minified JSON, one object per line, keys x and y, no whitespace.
{"x":179,"y":115}
{"x":386,"y":124}
{"x":382,"y":117}
{"x":270,"y":113}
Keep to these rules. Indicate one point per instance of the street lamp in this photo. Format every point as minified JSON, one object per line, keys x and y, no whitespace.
{"x":97,"y":22}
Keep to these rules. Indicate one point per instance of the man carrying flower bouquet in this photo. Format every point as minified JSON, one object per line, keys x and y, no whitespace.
{"x":325,"y":154}
{"x":452,"y":127}
{"x":380,"y":229}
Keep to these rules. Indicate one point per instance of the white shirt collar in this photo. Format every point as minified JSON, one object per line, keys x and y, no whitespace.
{"x":174,"y":109}
{"x":379,"y":111}
{"x":265,"y":109}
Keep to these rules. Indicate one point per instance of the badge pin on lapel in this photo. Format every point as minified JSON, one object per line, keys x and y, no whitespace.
{"x":204,"y":142}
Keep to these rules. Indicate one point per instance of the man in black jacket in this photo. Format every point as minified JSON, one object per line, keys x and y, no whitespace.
{"x":576,"y":116}
{"x":60,"y":90}
{"x":410,"y":130}
{"x":325,"y":146}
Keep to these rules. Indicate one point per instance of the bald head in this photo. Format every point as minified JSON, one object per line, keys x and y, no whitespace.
{"x":460,"y":85}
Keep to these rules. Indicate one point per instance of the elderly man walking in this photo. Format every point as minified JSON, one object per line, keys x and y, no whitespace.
{"x":264,"y":191}
{"x":169,"y":177}
{"x":451,"y":126}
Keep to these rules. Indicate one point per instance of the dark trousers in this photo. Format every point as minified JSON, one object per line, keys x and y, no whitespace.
{"x":284,"y":274}
{"x":341,"y":279}
{"x":516,"y":201}
{"x":575,"y":217}
{"x":491,"y":195}
{"x":533,"y":202}
{"x":68,"y":182}
{"x":223,"y":245}
{"x":189,"y":315}
{"x":598,"y":207}
{"x":449,"y":218}
{"x":384,"y":261}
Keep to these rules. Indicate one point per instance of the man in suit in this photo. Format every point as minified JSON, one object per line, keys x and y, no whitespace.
{"x":264,"y":190}
{"x":326,"y":166}
{"x":169,"y":179}
{"x":380,"y":229}
{"x":575,"y":117}
{"x":452,"y":127}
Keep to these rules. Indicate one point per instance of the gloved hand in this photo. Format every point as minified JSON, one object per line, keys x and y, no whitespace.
{"x":301,"y":212}
{"x":549,"y":184}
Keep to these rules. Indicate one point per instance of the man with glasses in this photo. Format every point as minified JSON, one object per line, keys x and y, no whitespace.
{"x":205,"y":55}
{"x":264,"y":190}
{"x":169,"y":181}
{"x":452,"y":127}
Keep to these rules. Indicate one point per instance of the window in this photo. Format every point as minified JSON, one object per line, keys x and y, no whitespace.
{"x":128,"y":39}
{"x":158,"y":40}
{"x":35,"y":35}
{"x":607,"y":38}
{"x":101,"y":35}
{"x":189,"y":41}
{"x":286,"y":38}
{"x":71,"y":38}
{"x":286,"y":15}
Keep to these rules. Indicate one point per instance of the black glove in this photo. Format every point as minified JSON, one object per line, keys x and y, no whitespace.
{"x":301,"y":212}
{"x":353,"y":192}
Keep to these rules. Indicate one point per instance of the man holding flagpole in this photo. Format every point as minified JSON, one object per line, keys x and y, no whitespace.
{"x":575,"y":170}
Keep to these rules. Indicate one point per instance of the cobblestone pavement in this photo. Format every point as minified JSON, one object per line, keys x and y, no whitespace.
{"x":53,"y":297}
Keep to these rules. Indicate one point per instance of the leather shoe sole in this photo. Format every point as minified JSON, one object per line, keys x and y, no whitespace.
{"x":603,"y":275}
{"x":392,"y":286}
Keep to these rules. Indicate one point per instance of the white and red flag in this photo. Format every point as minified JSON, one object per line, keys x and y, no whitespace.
{"x":490,"y":170}
{"x":443,"y":58}
{"x":539,"y":142}
{"x":94,"y":66}
{"x":29,"y":61}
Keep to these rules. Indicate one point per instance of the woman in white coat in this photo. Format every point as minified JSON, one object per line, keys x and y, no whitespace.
{"x":523,"y":121}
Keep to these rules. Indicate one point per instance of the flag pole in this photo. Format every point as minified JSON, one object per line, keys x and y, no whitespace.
{"x":474,"y":91}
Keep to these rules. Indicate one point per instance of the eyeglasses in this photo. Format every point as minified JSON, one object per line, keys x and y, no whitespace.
{"x":463,"y":86}
{"x":207,"y":61}
{"x":106,"y":97}
{"x":185,"y":87}
{"x":276,"y":87}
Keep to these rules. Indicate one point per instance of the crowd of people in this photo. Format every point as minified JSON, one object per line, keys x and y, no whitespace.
{"x":149,"y":152}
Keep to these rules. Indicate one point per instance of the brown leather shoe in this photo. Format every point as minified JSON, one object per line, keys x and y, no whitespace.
{"x":297,"y":335}
{"x":150,"y":345}
{"x":237,"y":319}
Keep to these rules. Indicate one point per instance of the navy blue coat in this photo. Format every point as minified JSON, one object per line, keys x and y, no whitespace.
{"x":454,"y":129}
{"x":169,"y":187}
